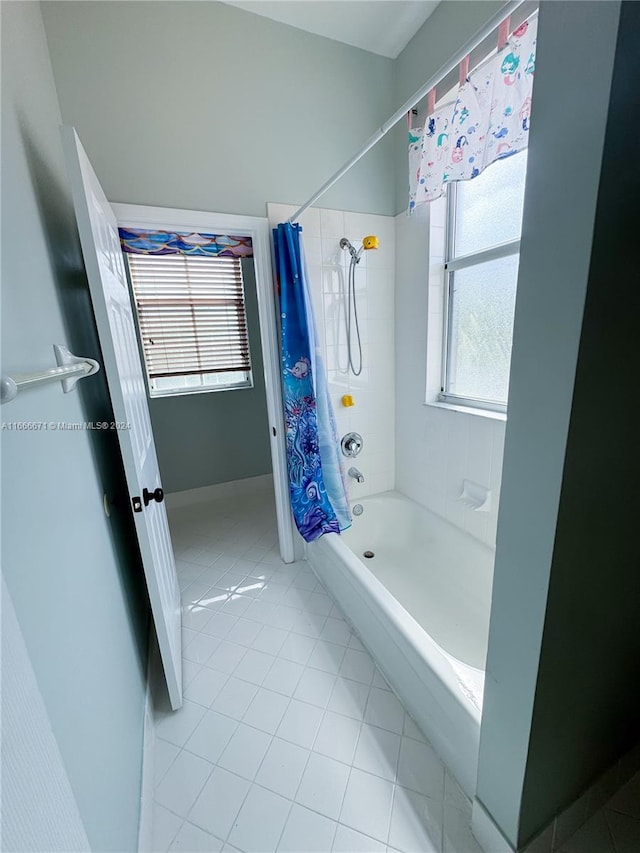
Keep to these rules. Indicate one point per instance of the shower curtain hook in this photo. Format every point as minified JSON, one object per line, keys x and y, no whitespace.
{"x":463,"y":70}
{"x":431,"y":101}
{"x":503,"y":32}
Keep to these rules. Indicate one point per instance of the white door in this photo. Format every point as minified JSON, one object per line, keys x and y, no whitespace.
{"x":114,"y":317}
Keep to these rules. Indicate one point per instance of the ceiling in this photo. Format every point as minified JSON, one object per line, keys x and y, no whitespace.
{"x":380,"y":26}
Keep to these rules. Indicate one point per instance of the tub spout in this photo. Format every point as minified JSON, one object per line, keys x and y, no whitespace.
{"x":357,"y":475}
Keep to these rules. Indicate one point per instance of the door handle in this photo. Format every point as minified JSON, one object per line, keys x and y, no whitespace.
{"x":156,"y":495}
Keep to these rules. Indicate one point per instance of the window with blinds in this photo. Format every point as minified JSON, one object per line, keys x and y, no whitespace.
{"x":193,"y":322}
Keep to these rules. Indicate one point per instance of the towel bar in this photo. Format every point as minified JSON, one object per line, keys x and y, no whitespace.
{"x":70,"y":369}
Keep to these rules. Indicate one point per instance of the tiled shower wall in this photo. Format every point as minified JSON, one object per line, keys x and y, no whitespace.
{"x":373,"y":392}
{"x":437,"y":448}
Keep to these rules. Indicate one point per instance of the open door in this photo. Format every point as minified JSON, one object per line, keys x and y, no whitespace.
{"x":114,"y":318}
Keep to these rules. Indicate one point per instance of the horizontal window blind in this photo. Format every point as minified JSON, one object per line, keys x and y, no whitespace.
{"x":191,"y":313}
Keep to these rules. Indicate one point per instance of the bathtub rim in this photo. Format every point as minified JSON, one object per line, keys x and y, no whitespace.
{"x":426,"y":648}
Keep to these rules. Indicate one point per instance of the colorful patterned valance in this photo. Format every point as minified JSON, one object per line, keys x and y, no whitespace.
{"x":488,"y":120}
{"x":139,"y":241}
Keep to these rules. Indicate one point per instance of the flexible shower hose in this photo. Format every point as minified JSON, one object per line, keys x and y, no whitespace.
{"x":351,"y":301}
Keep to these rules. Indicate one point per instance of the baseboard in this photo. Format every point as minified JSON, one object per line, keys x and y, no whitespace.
{"x":145,"y":830}
{"x":489,"y":837}
{"x":233,"y":488}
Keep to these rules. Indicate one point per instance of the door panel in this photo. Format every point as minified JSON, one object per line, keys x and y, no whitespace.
{"x":114,"y":318}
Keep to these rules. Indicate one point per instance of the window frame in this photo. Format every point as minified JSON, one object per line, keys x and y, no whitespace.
{"x":168,"y":219}
{"x":451,"y":265}
{"x":154,"y":394}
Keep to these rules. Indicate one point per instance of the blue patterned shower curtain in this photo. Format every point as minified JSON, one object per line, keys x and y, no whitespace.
{"x":318,"y":495}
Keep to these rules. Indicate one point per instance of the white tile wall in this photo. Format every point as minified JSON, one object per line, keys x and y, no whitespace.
{"x":436,"y":448}
{"x":374,"y":390}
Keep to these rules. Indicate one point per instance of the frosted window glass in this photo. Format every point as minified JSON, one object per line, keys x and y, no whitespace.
{"x":481,"y":329}
{"x":489,"y":207}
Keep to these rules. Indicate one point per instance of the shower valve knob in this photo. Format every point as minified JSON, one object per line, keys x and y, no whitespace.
{"x":351,"y":444}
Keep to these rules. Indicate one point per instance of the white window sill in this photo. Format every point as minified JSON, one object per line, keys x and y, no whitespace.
{"x":468,"y":410}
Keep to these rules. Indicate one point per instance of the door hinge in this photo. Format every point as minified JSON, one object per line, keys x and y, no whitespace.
{"x":137,"y":504}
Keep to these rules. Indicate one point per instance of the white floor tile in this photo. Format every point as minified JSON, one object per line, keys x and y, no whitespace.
{"x":227,"y":657}
{"x":165,"y":827}
{"x":338,"y":737}
{"x":305,"y":579}
{"x":354,"y":643}
{"x":367,"y":805}
{"x":270,"y":640}
{"x":420,"y":769}
{"x":384,"y":710}
{"x":177,"y":726}
{"x":307,"y":623}
{"x":416,"y":823}
{"x":201,"y":648}
{"x":266,"y":710}
{"x":377,"y":752}
{"x":220,"y":624}
{"x":205,"y":687}
{"x":196,"y":618}
{"x":211,"y":736}
{"x":297,"y":648}
{"x":327,"y":657}
{"x":244,"y":752}
{"x":263,"y":612}
{"x":315,"y":687}
{"x":625,"y":830}
{"x":282,"y":767}
{"x":163,"y":756}
{"x":188,"y":636}
{"x":283,"y":677}
{"x":232,"y":579}
{"x":234,"y":698}
{"x":357,"y":666}
{"x":273,"y":592}
{"x":254,"y":666}
{"x":320,"y":603}
{"x":300,"y":723}
{"x":182,"y":783}
{"x":380,"y":681}
{"x":349,"y":698}
{"x":307,"y":831}
{"x":411,"y":729}
{"x":215,"y":599}
{"x":336,"y":631}
{"x":259,"y":824}
{"x":237,"y":604}
{"x":244,"y":632}
{"x":189,"y":671}
{"x":323,"y":785}
{"x":349,"y":841}
{"x":219,"y":802}
{"x":191,"y":839}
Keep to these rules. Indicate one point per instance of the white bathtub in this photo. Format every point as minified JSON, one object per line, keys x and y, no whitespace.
{"x":421,"y":605}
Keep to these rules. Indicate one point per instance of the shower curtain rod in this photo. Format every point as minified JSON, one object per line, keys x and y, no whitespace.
{"x":445,"y":69}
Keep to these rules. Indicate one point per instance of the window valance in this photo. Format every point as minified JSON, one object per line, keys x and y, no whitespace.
{"x":488,"y":120}
{"x":138,"y":241}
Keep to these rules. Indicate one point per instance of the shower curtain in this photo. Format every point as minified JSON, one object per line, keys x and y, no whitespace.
{"x":318,"y":494}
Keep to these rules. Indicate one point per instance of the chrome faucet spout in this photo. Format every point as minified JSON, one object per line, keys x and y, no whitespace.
{"x":358,"y":476}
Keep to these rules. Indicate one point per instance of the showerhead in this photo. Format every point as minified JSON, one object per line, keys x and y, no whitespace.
{"x":370,"y":242}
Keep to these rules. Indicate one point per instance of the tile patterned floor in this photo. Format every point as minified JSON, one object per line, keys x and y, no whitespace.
{"x":613,"y":829}
{"x":289,"y":739}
